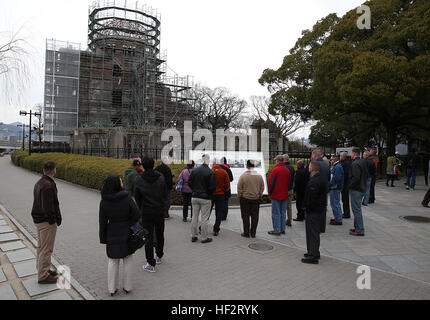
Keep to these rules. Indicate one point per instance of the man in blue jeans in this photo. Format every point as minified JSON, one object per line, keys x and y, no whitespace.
{"x":336,"y":187}
{"x":278,"y":190}
{"x":357,"y":187}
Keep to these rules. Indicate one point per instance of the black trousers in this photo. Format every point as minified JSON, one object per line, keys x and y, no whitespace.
{"x":226,"y":203}
{"x":300,"y":201}
{"x":426,"y":176}
{"x":313,"y":231}
{"x":345,"y":202}
{"x":250,"y":210}
{"x":187,"y":197}
{"x":427,"y":198}
{"x":155,"y":225}
{"x":391,"y":177}
{"x":219,"y":204}
{"x":372,"y":190}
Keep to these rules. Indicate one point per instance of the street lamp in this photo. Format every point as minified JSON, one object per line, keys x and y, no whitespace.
{"x":31,"y":113}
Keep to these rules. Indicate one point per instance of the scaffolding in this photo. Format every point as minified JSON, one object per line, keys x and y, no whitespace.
{"x":123,"y":81}
{"x":61,"y":96}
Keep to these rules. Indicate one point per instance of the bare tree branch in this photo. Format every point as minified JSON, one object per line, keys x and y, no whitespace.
{"x":14,"y":66}
{"x":260,"y":108}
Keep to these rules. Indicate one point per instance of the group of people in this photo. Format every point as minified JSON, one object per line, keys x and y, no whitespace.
{"x":144,"y":196}
{"x":353,"y":183}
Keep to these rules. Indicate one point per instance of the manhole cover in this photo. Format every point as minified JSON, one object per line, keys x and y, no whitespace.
{"x":261,"y":247}
{"x":416,"y":219}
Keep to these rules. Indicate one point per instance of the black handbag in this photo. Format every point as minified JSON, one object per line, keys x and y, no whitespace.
{"x":137,"y":237}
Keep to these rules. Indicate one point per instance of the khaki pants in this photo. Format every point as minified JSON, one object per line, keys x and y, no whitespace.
{"x":113,"y":274}
{"x":46,"y":236}
{"x":290,"y":205}
{"x":201,"y":207}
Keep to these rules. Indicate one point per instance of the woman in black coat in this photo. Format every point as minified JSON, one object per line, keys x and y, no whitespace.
{"x":118,"y":212}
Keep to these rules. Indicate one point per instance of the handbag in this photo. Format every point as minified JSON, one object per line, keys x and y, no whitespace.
{"x":180,"y":184}
{"x":137,"y":237}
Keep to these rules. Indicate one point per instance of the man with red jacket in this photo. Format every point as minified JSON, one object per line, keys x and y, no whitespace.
{"x":278,"y":190}
{"x":222,"y":186}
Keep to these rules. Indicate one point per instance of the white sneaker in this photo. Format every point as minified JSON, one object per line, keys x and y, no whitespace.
{"x":149,"y":268}
{"x":158,"y":260}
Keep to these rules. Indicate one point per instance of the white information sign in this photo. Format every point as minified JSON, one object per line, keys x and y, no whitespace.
{"x":237,"y":163}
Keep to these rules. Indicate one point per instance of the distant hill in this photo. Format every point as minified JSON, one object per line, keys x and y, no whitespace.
{"x":11,"y":128}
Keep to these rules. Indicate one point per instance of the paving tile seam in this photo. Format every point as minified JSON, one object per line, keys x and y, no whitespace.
{"x":80,"y":289}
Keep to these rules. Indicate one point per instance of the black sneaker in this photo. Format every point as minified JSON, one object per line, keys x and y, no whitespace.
{"x":208,"y":240}
{"x":310,"y":261}
{"x":309,"y":256}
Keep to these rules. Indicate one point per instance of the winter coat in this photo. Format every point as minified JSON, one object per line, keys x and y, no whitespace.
{"x":167,"y":173}
{"x":346,"y":165}
{"x":203,"y":182}
{"x":302,"y":179}
{"x":338,"y":179}
{"x":222,"y":181}
{"x":129,"y":177}
{"x":46,"y":207}
{"x":230,"y":175}
{"x":150,"y":192}
{"x":358,"y":175}
{"x":316,"y":194}
{"x":185,"y":175}
{"x":278,"y":183}
{"x":292,"y":176}
{"x":117,"y":214}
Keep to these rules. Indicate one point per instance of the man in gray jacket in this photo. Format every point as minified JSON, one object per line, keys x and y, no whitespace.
{"x":357,"y":187}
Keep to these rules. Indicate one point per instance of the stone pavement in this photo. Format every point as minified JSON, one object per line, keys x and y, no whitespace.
{"x":18,"y":274}
{"x":227,"y":269}
{"x":391,"y":243}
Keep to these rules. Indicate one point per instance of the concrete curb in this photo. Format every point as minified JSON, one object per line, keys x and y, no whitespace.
{"x":81,"y":290}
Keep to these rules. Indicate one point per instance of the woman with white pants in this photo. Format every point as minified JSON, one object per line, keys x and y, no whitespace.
{"x":118,"y":212}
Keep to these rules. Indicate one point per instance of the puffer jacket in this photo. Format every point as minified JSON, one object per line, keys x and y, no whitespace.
{"x":278,"y":183}
{"x":203,"y":182}
{"x":118,"y":212}
{"x":150,"y":192}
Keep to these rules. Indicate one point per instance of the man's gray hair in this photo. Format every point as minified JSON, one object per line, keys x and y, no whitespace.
{"x":206,"y":159}
{"x":344,"y":154}
{"x":286,"y":157}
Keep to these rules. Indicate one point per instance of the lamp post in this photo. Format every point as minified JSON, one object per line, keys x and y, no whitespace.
{"x":23,"y":126}
{"x":31,"y":113}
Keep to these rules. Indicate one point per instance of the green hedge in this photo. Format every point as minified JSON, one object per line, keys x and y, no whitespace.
{"x":89,"y":171}
{"x":86,"y":171}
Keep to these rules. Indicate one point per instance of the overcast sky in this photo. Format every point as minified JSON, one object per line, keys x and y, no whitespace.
{"x":223,"y":43}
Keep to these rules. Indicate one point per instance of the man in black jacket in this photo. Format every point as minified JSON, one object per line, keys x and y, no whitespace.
{"x":301,"y":181}
{"x":150,"y":192}
{"x":46,"y":216}
{"x":412,"y":163}
{"x":203,"y":183}
{"x":168,"y":178}
{"x":315,"y":203}
{"x":346,"y":165}
{"x":357,"y":187}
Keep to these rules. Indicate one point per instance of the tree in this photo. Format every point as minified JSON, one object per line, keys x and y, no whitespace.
{"x":380,"y":76}
{"x":217,"y":108}
{"x":14,"y":65}
{"x":287,"y":125}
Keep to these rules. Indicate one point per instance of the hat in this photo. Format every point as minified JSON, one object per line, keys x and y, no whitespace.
{"x":279,"y":158}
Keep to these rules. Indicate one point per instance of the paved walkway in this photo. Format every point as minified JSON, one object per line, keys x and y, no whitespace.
{"x":18,"y":274}
{"x":391,"y":243}
{"x":226,"y":269}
